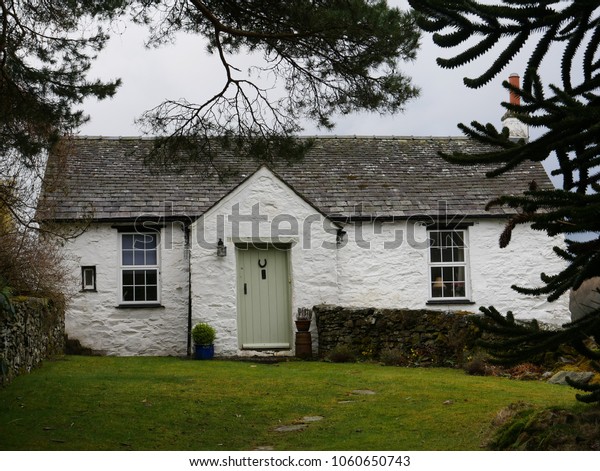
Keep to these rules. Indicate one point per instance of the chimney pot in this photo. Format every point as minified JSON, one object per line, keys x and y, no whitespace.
{"x":515,"y":81}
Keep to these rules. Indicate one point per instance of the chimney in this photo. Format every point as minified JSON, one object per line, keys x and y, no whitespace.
{"x":515,"y":81}
{"x":516,"y":129}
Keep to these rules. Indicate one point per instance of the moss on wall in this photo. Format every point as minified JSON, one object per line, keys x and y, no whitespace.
{"x":30,"y":334}
{"x":402,"y":336}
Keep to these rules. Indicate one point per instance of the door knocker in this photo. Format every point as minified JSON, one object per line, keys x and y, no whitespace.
{"x":263,"y":272}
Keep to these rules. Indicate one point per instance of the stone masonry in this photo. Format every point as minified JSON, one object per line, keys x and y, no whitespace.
{"x":35,"y":331}
{"x":421,"y":337}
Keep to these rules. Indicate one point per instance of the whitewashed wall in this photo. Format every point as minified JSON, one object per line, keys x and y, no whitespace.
{"x":495,"y":270}
{"x":378,"y":265}
{"x":312,"y":256}
{"x":398,"y":276}
{"x":93,"y":318}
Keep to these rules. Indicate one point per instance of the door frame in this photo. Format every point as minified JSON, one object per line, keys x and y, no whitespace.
{"x":287,"y":247}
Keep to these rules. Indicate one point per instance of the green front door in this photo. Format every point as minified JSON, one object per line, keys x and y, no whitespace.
{"x":264,"y":313}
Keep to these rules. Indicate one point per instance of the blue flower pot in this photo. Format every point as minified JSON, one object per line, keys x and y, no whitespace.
{"x":204,"y":352}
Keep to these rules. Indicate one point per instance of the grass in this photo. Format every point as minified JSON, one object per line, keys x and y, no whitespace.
{"x":110,"y":403}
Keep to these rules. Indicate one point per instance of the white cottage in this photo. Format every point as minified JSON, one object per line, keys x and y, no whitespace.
{"x":374,"y":222}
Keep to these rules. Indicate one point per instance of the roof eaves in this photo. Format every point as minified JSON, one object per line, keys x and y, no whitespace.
{"x":340,"y":218}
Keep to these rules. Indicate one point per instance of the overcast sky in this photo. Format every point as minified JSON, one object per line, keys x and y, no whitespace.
{"x":186,"y":70}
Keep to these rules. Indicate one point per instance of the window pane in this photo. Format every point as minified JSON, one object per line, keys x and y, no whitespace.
{"x":127,"y":293}
{"x":447,"y":274}
{"x":139,"y":241}
{"x":459,"y":274}
{"x":458,"y":239}
{"x":448,"y":290}
{"x":127,"y":241}
{"x":151,"y":277}
{"x":150,"y":241}
{"x":151,"y":257}
{"x":436,"y":255}
{"x":459,"y":254}
{"x":139,"y":257}
{"x":88,"y":277}
{"x":437,"y":283}
{"x":434,"y":239}
{"x":447,"y":239}
{"x":127,"y":257}
{"x":127,"y":277}
{"x":140,"y":278}
{"x":447,"y":255}
{"x":151,"y":293}
{"x":140,"y":293}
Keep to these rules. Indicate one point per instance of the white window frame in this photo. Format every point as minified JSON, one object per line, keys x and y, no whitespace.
{"x":146,"y":267}
{"x":446,"y":264}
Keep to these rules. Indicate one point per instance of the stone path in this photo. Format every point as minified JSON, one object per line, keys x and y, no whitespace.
{"x":301,"y":425}
{"x":304,"y":422}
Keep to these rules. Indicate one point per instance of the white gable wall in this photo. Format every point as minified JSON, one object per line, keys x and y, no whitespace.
{"x":280,"y":217}
{"x":94,"y":319}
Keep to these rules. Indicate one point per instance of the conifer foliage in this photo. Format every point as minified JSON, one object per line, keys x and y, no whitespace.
{"x":46,"y":50}
{"x":567,"y":115}
{"x":312,"y":60}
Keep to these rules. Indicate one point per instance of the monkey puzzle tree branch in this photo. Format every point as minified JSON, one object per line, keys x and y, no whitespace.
{"x":567,"y":115}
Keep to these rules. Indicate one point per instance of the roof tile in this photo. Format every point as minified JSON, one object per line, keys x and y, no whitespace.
{"x":384,"y":176}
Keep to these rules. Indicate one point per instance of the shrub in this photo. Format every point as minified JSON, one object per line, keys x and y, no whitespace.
{"x":393,"y":357}
{"x":203,"y":334}
{"x":476,"y":367}
{"x":31,"y":264}
{"x":341,"y":354}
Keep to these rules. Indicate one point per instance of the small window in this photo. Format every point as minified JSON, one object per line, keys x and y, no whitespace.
{"x":88,"y":278}
{"x":448,"y":268}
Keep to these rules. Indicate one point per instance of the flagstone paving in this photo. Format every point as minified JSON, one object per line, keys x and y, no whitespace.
{"x":304,"y":422}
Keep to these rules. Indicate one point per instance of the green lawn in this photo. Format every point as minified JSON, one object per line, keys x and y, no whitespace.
{"x":109,"y":403}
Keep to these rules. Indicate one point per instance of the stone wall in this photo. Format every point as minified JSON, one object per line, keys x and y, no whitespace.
{"x":35,"y":331}
{"x":411,"y":337}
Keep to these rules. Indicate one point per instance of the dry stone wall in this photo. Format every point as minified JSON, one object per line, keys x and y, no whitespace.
{"x":35,"y":331}
{"x":413,"y":337}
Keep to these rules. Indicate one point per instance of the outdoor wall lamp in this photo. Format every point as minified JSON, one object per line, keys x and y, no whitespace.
{"x":221,"y":249}
{"x":339,"y":238}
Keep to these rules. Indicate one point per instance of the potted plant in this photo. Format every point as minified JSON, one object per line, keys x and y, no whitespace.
{"x":204,"y":335}
{"x":303,"y":319}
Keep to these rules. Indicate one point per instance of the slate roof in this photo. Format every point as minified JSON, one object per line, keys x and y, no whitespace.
{"x":343,"y":177}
